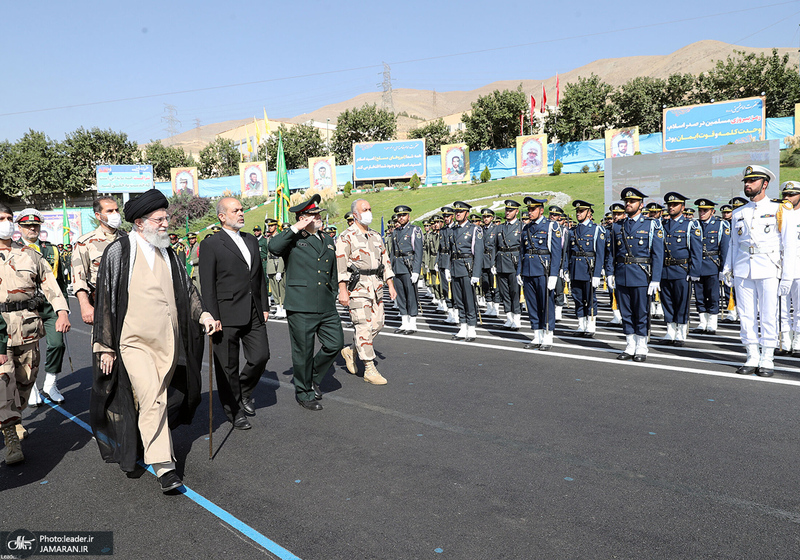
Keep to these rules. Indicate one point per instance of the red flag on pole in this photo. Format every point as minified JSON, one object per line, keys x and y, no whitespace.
{"x":533,"y":108}
{"x":558,"y":92}
{"x":544,"y":99}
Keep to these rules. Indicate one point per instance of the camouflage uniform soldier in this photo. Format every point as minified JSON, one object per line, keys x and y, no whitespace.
{"x":363,"y":267}
{"x":23,"y":274}
{"x":88,"y":252}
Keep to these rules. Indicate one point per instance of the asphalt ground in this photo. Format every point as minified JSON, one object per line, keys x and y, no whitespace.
{"x":472,"y":451}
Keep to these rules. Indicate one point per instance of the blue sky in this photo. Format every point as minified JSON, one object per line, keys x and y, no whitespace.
{"x":77,"y":59}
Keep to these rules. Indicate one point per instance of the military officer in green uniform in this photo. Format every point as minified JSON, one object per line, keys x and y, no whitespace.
{"x":311,"y":289}
{"x":30,"y":223}
{"x":274,"y":268}
{"x":177,"y":246}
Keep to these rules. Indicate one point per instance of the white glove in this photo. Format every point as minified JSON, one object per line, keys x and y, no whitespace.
{"x":414,"y":277}
{"x":595,"y":282}
{"x":693,"y":278}
{"x":519,"y":279}
{"x":447,"y":274}
{"x":653,"y":288}
{"x":436,"y":267}
{"x":785,"y":286}
{"x":474,"y":280}
{"x":551,"y":282}
{"x":566,"y":277}
{"x":727,"y":278}
{"x":494,"y":271}
{"x":278,"y":276}
{"x":612,"y":282}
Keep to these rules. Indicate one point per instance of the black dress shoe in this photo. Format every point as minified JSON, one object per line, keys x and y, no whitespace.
{"x":317,"y":391}
{"x":309,"y":405}
{"x":624,"y":356}
{"x":408,"y":331}
{"x":169,"y":481}
{"x":545,"y":347}
{"x":241,"y":422}
{"x":765,"y":372}
{"x":399,"y":330}
{"x":698,"y":330}
{"x":531,"y":346}
{"x":745,"y":370}
{"x":469,"y":339}
{"x":588,"y":335}
{"x":678,"y":343}
{"x":248,"y":406}
{"x":782,"y":352}
{"x":639,"y":358}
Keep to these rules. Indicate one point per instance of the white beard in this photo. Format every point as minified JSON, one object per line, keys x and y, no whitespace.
{"x":154,"y":237}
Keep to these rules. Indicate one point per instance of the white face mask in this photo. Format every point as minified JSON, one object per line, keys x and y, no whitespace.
{"x":114,"y":220}
{"x":365,"y":218}
{"x":6,"y":229}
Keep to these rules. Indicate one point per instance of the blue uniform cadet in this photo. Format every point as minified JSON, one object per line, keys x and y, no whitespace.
{"x":488,"y":279}
{"x":617,"y":212}
{"x":507,"y":240}
{"x":716,"y":242}
{"x":464,"y":269}
{"x":443,"y":262}
{"x":537,"y":272}
{"x":556,"y":214}
{"x":683,"y":257}
{"x":586,"y":249}
{"x":406,"y":241}
{"x":637,"y":246}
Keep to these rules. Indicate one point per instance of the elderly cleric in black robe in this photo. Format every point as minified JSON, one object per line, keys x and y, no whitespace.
{"x":113,"y":412}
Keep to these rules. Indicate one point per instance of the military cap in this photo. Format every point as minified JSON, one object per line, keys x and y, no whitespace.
{"x":286,"y":225}
{"x":757,"y":172}
{"x":29,"y":216}
{"x":704,"y":203}
{"x":394,"y":218}
{"x":688,"y":211}
{"x":487,"y":212}
{"x":581,"y":205}
{"x":147,"y":202}
{"x":653,"y":206}
{"x":447,"y":211}
{"x":271,"y":222}
{"x":737,"y":201}
{"x":555,"y":211}
{"x":348,"y":216}
{"x":474,"y":218}
{"x":726,"y":208}
{"x":192,"y":235}
{"x":461,"y":206}
{"x":310,"y":206}
{"x":402,"y":209}
{"x":173,"y":234}
{"x":257,"y":228}
{"x":617,"y":208}
{"x":215,"y":228}
{"x":511,"y":204}
{"x":790,"y":187}
{"x":630,"y":192}
{"x":333,"y":228}
{"x":438,"y":218}
{"x":525,"y":215}
{"x":672,"y":197}
{"x":497,"y":220}
{"x":533,"y":202}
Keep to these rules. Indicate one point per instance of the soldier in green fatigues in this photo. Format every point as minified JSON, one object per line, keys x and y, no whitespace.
{"x":311,"y":289}
{"x":193,"y":260}
{"x":274,"y":268}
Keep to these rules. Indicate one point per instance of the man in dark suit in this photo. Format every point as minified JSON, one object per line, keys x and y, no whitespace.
{"x":233,"y":286}
{"x":311,"y":290}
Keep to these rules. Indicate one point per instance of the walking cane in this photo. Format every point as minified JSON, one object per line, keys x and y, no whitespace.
{"x":210,"y":399}
{"x":69,"y":354}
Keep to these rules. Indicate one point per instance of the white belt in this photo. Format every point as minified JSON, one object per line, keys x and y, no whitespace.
{"x":754,"y":250}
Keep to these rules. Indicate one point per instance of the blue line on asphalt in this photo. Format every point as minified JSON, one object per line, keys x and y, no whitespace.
{"x":203,"y":502}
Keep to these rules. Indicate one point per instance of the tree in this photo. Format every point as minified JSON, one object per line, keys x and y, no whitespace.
{"x":748,"y":75}
{"x":494,"y":120}
{"x":163,"y":158}
{"x":35,"y":165}
{"x":220,"y":158}
{"x":435,"y":133}
{"x":299,"y":143}
{"x":86,"y":149}
{"x":367,"y":124}
{"x":584,"y":112}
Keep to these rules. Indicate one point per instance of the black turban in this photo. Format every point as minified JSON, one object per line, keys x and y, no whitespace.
{"x":142,"y":205}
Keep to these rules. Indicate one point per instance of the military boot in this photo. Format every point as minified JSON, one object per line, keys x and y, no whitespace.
{"x":13,"y":446}
{"x":372,"y":375}
{"x":349,"y":359}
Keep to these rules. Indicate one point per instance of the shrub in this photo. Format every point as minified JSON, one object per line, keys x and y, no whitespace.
{"x":400,"y":185}
{"x":187,"y":205}
{"x":379,"y":187}
{"x":557,"y":167}
{"x":485,"y":175}
{"x":597,"y":166}
{"x":585,"y":169}
{"x":414,"y":183}
{"x":348,"y":188}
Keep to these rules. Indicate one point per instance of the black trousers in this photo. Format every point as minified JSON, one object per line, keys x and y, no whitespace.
{"x":487,"y":284}
{"x":509,"y":292}
{"x":707,"y":294}
{"x":464,"y":299}
{"x":234,"y":387}
{"x":406,"y":295}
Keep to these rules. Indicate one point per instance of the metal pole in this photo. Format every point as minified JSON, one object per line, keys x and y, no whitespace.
{"x":210,"y":399}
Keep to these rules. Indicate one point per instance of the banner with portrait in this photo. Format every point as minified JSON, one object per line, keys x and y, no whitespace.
{"x":532,"y":154}
{"x":455,"y":163}
{"x":184,"y":180}
{"x":322,"y":172}
{"x":622,"y":142}
{"x":253,"y":178}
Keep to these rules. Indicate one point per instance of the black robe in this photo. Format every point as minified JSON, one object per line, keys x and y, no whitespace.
{"x":112,"y":412}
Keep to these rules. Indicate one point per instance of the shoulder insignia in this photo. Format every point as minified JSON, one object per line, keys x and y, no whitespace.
{"x":602,"y":236}
{"x":697,"y":232}
{"x":660,"y":233}
{"x":558,"y":232}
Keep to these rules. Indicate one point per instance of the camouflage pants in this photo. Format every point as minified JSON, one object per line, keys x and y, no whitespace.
{"x":17,"y":377}
{"x":368,"y":317}
{"x":277,"y":289}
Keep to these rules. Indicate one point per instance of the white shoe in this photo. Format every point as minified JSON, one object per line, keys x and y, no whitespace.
{"x":630,"y":345}
{"x":412,"y":325}
{"x":517,"y":321}
{"x":481,"y":301}
{"x":753,"y":356}
{"x":672,"y":332}
{"x":547,"y":340}
{"x":703,"y":325}
{"x":471,"y":334}
{"x":403,"y":325}
{"x":50,"y":389}
{"x":766,"y":361}
{"x":641,"y":345}
{"x":711,"y":326}
{"x":559,"y":312}
{"x":35,"y":399}
{"x":451,"y":318}
{"x":617,"y":320}
{"x":681,"y":332}
{"x":492,"y":311}
{"x":509,"y":320}
{"x":581,"y":325}
{"x":462,"y":332}
{"x":732,"y":315}
{"x":591,"y":326}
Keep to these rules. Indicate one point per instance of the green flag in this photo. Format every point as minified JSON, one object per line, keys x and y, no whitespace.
{"x":282,"y":186}
{"x":66,"y":223}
